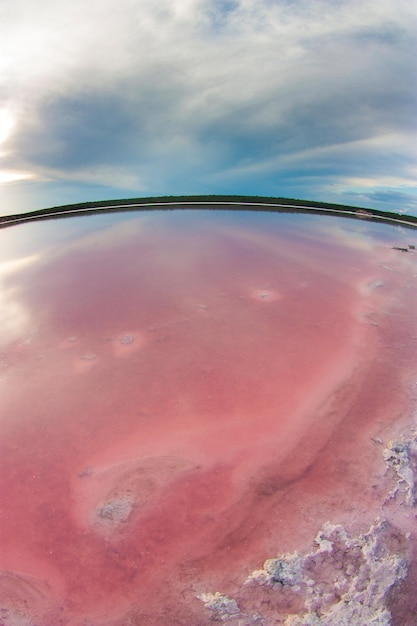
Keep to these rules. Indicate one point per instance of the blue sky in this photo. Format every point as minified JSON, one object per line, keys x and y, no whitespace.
{"x":312,"y":99}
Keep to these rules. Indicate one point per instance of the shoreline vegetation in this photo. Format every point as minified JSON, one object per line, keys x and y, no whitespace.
{"x":230,"y":202}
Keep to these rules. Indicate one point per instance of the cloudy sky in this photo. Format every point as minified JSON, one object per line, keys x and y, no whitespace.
{"x":313,"y":99}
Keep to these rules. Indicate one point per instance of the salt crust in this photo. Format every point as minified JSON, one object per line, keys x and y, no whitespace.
{"x":220,"y":604}
{"x":115,"y":511}
{"x":401,"y":456}
{"x":343,"y":581}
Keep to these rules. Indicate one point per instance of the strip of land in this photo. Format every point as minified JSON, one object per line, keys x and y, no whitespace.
{"x":252,"y":203}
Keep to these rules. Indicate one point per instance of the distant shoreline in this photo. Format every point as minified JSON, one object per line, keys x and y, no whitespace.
{"x":230,"y":202}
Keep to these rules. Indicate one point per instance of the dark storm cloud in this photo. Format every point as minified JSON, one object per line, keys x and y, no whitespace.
{"x":77,"y":131}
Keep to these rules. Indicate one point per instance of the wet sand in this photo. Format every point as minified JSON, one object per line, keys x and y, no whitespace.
{"x":186,"y":399}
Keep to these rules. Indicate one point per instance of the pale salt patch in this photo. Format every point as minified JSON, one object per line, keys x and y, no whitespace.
{"x":111,"y":514}
{"x":370,"y":285}
{"x":85,"y":362}
{"x":14,"y":618}
{"x":88,"y":356}
{"x":25,"y":600}
{"x":69,"y":342}
{"x":375,"y":284}
{"x":127,"y":340}
{"x":127,"y":344}
{"x":265,"y":295}
{"x":86,"y":471}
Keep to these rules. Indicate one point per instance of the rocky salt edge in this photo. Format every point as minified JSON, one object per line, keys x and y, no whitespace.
{"x":400,"y":456}
{"x":345,"y":579}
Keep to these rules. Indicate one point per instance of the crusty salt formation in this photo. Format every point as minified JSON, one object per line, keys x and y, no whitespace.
{"x":114,"y":511}
{"x":401,"y":457}
{"x":343,"y":581}
{"x":222,"y":606}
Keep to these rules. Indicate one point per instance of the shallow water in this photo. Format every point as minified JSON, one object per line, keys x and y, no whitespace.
{"x":188,"y":395}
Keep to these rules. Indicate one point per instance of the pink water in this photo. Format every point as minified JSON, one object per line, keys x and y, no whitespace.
{"x":179,"y":404}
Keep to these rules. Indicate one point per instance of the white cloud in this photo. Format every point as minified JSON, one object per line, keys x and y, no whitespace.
{"x":49,"y":46}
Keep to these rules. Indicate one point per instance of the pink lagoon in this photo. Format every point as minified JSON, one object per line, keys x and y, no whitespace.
{"x":208,"y":416}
